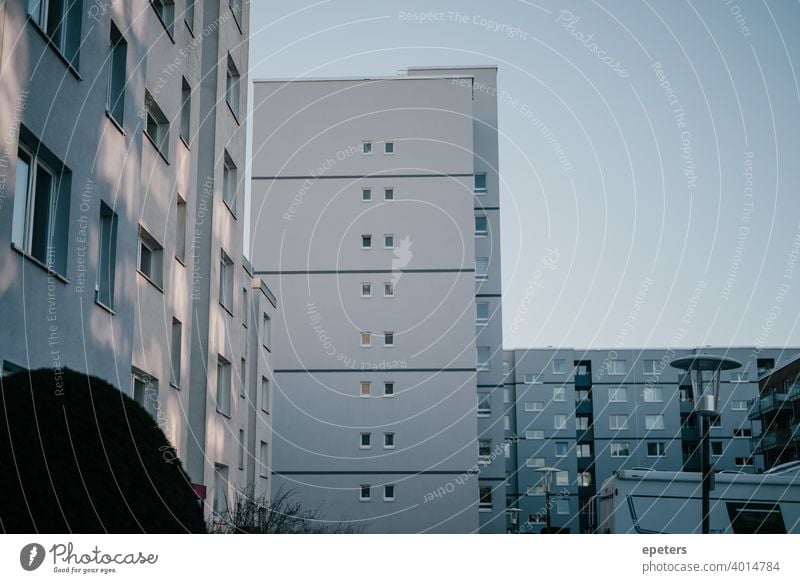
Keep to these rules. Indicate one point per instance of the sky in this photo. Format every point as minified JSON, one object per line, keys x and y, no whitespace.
{"x":649,"y":153}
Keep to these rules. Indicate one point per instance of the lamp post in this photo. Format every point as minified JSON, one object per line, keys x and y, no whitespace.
{"x":547,"y":483}
{"x":705,"y":370}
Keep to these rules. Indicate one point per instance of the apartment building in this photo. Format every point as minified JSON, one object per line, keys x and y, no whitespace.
{"x":121,"y":216}
{"x":588,"y":413}
{"x":374,"y":217}
{"x":775,"y":413}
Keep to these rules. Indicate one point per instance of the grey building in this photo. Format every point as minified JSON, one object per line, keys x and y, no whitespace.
{"x":589,"y":413}
{"x":374,"y":218}
{"x":121,"y":211}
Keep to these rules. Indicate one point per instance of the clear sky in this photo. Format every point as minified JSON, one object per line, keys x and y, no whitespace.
{"x":649,"y":153}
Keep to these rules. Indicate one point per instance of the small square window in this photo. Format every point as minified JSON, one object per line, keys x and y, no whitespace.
{"x":388,"y":493}
{"x":560,"y":421}
{"x":535,"y":462}
{"x":366,"y":147}
{"x":484,"y":404}
{"x":388,"y":241}
{"x":534,"y":406}
{"x":562,"y":447}
{"x":653,"y":422}
{"x":366,"y":388}
{"x":656,"y":449}
{"x":364,"y":492}
{"x":559,"y":365}
{"x":388,"y":389}
{"x":366,"y":339}
{"x":559,"y":394}
{"x":388,"y":441}
{"x":562,"y":478}
{"x":716,"y":448}
{"x":366,"y":241}
{"x":534,"y":434}
{"x":388,"y":148}
{"x":366,"y":441}
{"x":388,"y":289}
{"x":366,"y":194}
{"x":388,"y":338}
{"x":388,"y":194}
{"x":480,"y":183}
{"x":366,"y":290}
{"x":481,"y":226}
{"x":482,"y":313}
{"x":562,"y":506}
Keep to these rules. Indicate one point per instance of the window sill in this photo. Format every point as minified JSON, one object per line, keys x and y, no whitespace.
{"x":70,"y":67}
{"x":174,"y":386}
{"x":484,"y":415}
{"x":150,"y":281}
{"x":236,"y":19}
{"x":181,"y":261}
{"x":265,"y":412}
{"x":115,"y":123}
{"x":230,"y":210}
{"x":226,"y":308}
{"x":164,"y":24}
{"x":108,"y":309}
{"x":233,"y":113}
{"x":267,"y":348}
{"x":189,"y":28}
{"x":226,"y":415}
{"x":185,"y":143}
{"x":32,"y":259}
{"x":160,"y":153}
{"x":484,"y":509}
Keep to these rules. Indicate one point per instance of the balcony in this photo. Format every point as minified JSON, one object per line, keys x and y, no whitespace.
{"x":774,"y":438}
{"x":768,"y":403}
{"x":690,"y":433}
{"x":794,"y":430}
{"x":794,"y":392}
{"x":584,"y":434}
{"x":583,"y":406}
{"x":686,"y":406}
{"x":583,"y":380}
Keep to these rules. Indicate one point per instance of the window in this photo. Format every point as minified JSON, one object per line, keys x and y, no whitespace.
{"x":484,"y":354}
{"x":582,"y":395}
{"x":480,"y":183}
{"x":366,"y":241}
{"x":107,"y":262}
{"x":388,"y":440}
{"x":535,"y":519}
{"x":10,"y":368}
{"x":61,"y":22}
{"x":241,"y":449}
{"x":562,"y":448}
{"x":535,"y":462}
{"x":175,"y":351}
{"x":619,"y":449}
{"x":264,"y":459}
{"x":559,"y":394}
{"x":764,"y":365}
{"x":388,"y":148}
{"x":650,"y":366}
{"x":243,"y":377}
{"x":220,"y":489}
{"x":581,"y":423}
{"x":583,"y":450}
{"x":653,"y":395}
{"x":743,"y":432}
{"x":366,"y":388}
{"x":223,"y":386}
{"x":145,"y":390}
{"x":507,"y":396}
{"x":744,"y":461}
{"x":617,"y":367}
{"x":740,"y":377}
{"x":366,"y":194}
{"x":485,"y":498}
{"x":232,"y":87}
{"x":715,"y":422}
{"x":366,"y":147}
{"x":265,"y":394}
{"x":226,"y":281}
{"x":180,"y":230}
{"x":186,"y":112}
{"x":366,"y":339}
{"x":481,"y":228}
{"x":188,"y":16}
{"x":484,"y":404}
{"x":534,"y":490}
{"x":236,"y":10}
{"x":229,"y":180}
{"x":245,"y":306}
{"x":534,"y":406}
{"x":365,"y":441}
{"x":617,"y":422}
{"x":150,"y":257}
{"x":716,"y":448}
{"x":484,"y":451}
{"x":41,"y":204}
{"x":585,"y":479}
{"x":117,"y":75}
{"x":388,"y":493}
{"x":157,"y":125}
{"x":482,"y":312}
{"x":532,"y":379}
{"x":388,"y":289}
{"x":506,"y":367}
{"x":266,"y":332}
{"x":562,"y":478}
{"x":364,"y":492}
{"x":559,"y":365}
{"x":481,"y":268}
{"x":388,"y":389}
{"x":739,"y":405}
{"x":388,"y":338}
{"x":534,"y":434}
{"x":656,"y":449}
{"x":562,"y":506}
{"x":388,"y":194}
{"x":653,"y":422}
{"x":506,"y":423}
{"x":617,"y":395}
{"x":388,"y":241}
{"x":560,"y":421}
{"x":366,"y":290}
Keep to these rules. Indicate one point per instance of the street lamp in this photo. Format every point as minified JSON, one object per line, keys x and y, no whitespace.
{"x":547,"y":484}
{"x":705,"y":371}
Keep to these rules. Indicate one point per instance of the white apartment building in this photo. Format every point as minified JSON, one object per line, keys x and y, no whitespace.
{"x":374,"y":217}
{"x":121,"y":218}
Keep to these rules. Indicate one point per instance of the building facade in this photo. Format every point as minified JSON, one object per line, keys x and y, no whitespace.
{"x":588,"y":413}
{"x":775,"y":413}
{"x":121,"y":216}
{"x":374,"y":217}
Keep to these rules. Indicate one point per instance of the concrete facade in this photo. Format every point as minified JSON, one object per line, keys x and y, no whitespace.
{"x":360,"y":184}
{"x":133,"y":111}
{"x":592,"y":412}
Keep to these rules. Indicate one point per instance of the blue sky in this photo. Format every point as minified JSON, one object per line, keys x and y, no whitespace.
{"x":649,"y":153}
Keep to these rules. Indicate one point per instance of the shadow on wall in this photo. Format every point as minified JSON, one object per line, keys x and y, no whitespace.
{"x":78,"y":456}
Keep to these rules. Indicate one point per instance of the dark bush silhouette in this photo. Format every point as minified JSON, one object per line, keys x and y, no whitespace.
{"x":78,"y":456}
